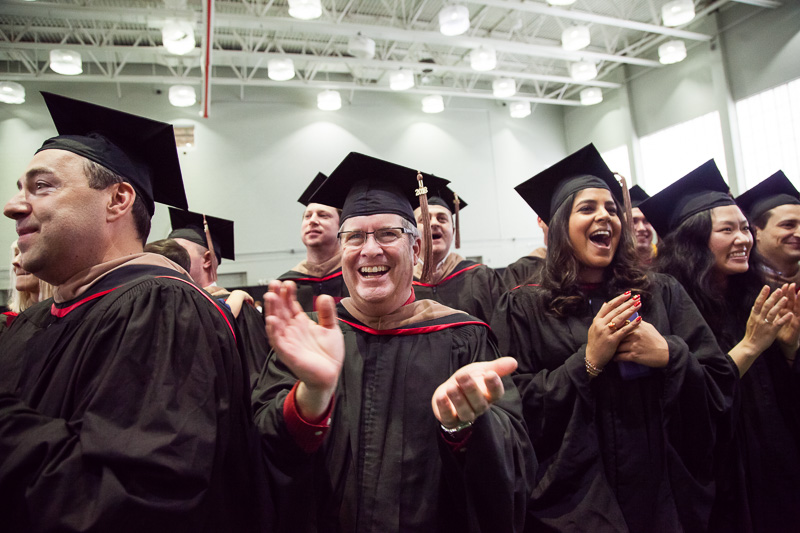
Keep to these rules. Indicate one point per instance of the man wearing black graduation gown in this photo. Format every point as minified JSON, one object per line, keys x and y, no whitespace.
{"x":454,"y":281}
{"x":321,"y":271}
{"x":199,"y":234}
{"x":389,"y":413}
{"x":123,"y":401}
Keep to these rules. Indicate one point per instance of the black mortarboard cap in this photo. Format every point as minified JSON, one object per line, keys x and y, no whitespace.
{"x":774,"y":191}
{"x":188,"y":225}
{"x":445,"y":197}
{"x":363,"y":185}
{"x":701,"y":189}
{"x":584,"y":169}
{"x":139,"y":149}
{"x":637,"y":195}
{"x":318,"y":180}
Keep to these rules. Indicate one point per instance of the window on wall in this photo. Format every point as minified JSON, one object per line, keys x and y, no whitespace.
{"x":671,"y":153}
{"x":769,"y":129}
{"x":617,"y":160}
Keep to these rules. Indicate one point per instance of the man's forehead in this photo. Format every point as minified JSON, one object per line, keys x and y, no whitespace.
{"x":374,"y":221}
{"x":319,"y":207}
{"x":436,"y":209}
{"x":785,"y":212}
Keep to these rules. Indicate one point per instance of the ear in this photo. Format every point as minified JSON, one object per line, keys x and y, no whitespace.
{"x":120,"y":200}
{"x":206,"y":260}
{"x":415,"y":248}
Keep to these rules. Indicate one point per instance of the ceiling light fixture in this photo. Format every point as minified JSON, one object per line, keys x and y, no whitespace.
{"x":66,"y":62}
{"x":11,"y":92}
{"x":401,"y":80}
{"x":305,"y":9}
{"x":178,"y":37}
{"x":504,"y":87}
{"x":520,"y":109}
{"x":280,"y":69}
{"x":329,"y":100}
{"x":583,"y":71}
{"x":453,"y":20}
{"x":591,"y":96}
{"x":672,"y":52}
{"x":361,"y":47}
{"x":182,"y":95}
{"x":483,"y":59}
{"x":575,"y":38}
{"x":433,"y":103}
{"x":677,"y":12}
{"x":560,"y":2}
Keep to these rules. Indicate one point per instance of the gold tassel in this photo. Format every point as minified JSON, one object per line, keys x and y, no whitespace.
{"x":427,"y":240}
{"x":210,"y":244}
{"x":457,"y":203}
{"x":626,"y":201}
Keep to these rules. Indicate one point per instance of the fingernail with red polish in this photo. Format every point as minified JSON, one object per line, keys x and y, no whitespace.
{"x":638,"y":319}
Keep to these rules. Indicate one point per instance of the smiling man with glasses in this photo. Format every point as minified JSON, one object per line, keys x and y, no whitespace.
{"x":387,"y":413}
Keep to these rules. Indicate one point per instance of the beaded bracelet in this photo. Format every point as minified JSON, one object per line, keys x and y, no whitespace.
{"x":592,"y":370}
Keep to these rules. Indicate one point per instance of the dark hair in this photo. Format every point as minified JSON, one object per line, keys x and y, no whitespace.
{"x":684,"y":254}
{"x":559,"y":278}
{"x":100,"y":178}
{"x":763,"y":218}
{"x":170,"y":249}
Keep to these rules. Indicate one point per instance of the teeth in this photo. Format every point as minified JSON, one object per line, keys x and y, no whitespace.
{"x":738,"y":254}
{"x":602,"y":233}
{"x":373,"y":269}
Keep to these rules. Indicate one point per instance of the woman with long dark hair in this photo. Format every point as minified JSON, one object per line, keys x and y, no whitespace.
{"x":623,"y":384}
{"x":708,"y":246}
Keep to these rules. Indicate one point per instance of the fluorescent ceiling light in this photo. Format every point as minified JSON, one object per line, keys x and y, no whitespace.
{"x":178,"y":37}
{"x":483,"y":59}
{"x":453,"y":20}
{"x":329,"y":100}
{"x":67,"y":62}
{"x":182,"y":95}
{"x":591,"y":96}
{"x":504,"y":87}
{"x":280,"y":69}
{"x":560,"y":2}
{"x":583,"y":71}
{"x":520,"y":109}
{"x":401,"y":80}
{"x":677,"y":12}
{"x":361,"y":47}
{"x":575,"y":38}
{"x":305,"y":9}
{"x":11,"y":92}
{"x":433,"y":103}
{"x":672,"y":52}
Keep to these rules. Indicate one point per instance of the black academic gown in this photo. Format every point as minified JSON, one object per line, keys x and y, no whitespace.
{"x":128,"y":412}
{"x":253,"y":339}
{"x":759,"y":475}
{"x":309,"y":287}
{"x":523,"y":271}
{"x":384,"y":466}
{"x":619,"y":455}
{"x":471,"y":287}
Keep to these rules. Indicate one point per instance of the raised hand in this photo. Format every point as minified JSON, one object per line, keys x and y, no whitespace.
{"x":313,"y":351}
{"x":609,"y":327}
{"x":644,"y":345}
{"x":470,"y":391}
{"x":789,"y":334}
{"x":765,"y":321}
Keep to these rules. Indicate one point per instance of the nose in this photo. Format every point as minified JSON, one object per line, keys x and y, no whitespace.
{"x":17,"y":207}
{"x":371,"y":246}
{"x":743,"y":237}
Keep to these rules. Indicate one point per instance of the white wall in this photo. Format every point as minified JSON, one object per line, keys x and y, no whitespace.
{"x":253,"y":160}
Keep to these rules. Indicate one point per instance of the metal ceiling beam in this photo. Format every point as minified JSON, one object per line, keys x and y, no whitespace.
{"x":772,"y":4}
{"x":584,"y":16}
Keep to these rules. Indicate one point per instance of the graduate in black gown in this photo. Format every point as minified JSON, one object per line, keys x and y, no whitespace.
{"x":199,"y":234}
{"x":124,"y":403}
{"x":454,"y":281}
{"x":624,"y":388}
{"x":389,"y":413}
{"x":321,"y":271}
{"x":527,"y":268}
{"x":708,"y":246}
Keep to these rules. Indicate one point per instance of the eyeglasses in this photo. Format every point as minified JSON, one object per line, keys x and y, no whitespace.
{"x":383,"y":236}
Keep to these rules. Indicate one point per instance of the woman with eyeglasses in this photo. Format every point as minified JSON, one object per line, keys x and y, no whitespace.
{"x":709,"y":248}
{"x":623,"y":386}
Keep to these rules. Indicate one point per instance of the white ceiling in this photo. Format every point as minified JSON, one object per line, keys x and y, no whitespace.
{"x":120,"y":41}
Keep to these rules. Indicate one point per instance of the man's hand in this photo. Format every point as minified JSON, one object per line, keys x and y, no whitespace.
{"x":471,"y":391}
{"x":313,"y":351}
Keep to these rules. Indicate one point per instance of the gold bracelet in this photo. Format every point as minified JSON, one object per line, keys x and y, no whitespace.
{"x":592,"y":370}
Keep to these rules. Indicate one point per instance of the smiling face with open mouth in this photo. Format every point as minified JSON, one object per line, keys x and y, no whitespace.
{"x":441,"y":230}
{"x":730,"y":240}
{"x":594,"y":232}
{"x":378,"y":276}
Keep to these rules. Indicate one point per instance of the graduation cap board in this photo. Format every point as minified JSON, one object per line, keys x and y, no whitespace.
{"x":139,"y":149}
{"x":362,"y":185}
{"x":638,"y":195}
{"x":774,"y":191}
{"x":192,"y":227}
{"x":318,"y":180}
{"x":701,"y":189}
{"x":584,"y":169}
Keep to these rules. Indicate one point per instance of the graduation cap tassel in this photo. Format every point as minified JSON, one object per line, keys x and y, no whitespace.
{"x":626,"y":199}
{"x":210,"y":244}
{"x":457,"y":204}
{"x":427,"y":240}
